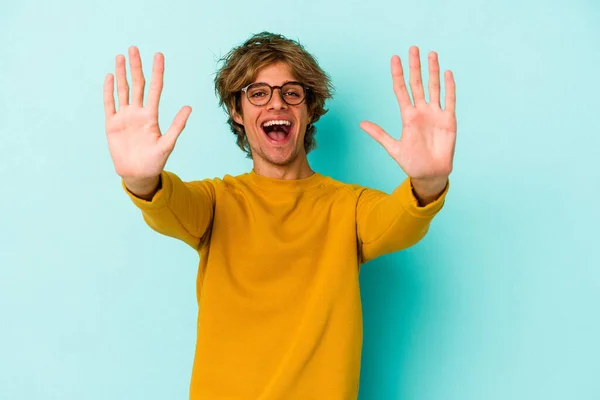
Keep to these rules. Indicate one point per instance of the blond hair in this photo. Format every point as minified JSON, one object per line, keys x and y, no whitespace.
{"x":241,"y":66}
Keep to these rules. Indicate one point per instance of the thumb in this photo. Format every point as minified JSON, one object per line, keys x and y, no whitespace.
{"x":170,"y":137}
{"x":377,"y":133}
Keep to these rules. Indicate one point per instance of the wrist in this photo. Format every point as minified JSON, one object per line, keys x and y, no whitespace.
{"x":144,"y":188}
{"x":427,"y":190}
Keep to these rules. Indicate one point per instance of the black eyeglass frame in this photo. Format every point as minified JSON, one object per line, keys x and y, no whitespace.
{"x":272,"y":90}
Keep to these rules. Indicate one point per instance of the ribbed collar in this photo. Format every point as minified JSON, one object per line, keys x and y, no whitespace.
{"x":286,"y":185}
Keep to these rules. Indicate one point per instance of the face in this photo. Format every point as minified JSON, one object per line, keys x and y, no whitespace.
{"x":274,"y":143}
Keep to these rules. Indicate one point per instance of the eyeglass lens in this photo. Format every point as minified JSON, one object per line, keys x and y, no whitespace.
{"x":260,"y":93}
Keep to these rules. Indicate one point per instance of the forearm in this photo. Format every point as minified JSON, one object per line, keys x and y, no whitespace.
{"x":394,"y":232}
{"x":388,"y":223}
{"x":178,"y":209}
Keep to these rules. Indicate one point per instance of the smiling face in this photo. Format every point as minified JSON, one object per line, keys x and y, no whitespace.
{"x":276,"y":130}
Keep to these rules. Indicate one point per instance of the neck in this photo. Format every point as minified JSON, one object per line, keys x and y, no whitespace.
{"x":297,"y":169}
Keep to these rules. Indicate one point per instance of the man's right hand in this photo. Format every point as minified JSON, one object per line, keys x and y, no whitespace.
{"x":138,"y":149}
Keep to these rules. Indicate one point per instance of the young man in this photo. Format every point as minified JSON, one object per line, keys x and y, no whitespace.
{"x":280,"y":247}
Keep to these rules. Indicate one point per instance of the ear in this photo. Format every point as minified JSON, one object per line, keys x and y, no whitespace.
{"x":236,"y":117}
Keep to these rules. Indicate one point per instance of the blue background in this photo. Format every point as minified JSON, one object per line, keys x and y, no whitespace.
{"x":501,"y":300}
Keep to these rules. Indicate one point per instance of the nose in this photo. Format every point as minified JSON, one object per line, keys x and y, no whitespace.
{"x":276,"y":101}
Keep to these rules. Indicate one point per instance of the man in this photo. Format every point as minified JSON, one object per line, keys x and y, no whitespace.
{"x":281,"y":246}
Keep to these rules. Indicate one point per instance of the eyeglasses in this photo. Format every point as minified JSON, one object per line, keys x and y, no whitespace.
{"x":260,"y":93}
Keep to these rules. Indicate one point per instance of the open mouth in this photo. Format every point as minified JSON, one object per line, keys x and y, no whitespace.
{"x":277,"y":130}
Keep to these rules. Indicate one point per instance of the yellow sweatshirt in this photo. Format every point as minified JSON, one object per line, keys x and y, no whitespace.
{"x":279,"y":311}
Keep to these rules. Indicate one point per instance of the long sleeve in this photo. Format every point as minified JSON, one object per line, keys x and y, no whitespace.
{"x":278,"y":277}
{"x":183,"y":210}
{"x":391,"y":222}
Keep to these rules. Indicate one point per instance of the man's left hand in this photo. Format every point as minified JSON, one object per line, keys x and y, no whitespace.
{"x":425,"y":150}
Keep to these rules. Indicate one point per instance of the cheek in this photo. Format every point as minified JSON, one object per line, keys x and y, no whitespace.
{"x":303,"y":116}
{"x":248,"y":119}
{"x":250,"y":128}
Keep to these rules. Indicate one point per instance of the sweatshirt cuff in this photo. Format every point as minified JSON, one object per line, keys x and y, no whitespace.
{"x":411,"y":204}
{"x":160,"y":198}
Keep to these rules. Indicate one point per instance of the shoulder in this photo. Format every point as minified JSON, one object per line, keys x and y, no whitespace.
{"x":350,"y":189}
{"x":229,"y":183}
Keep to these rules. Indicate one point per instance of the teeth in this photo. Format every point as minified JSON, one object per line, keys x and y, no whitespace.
{"x":280,"y":122}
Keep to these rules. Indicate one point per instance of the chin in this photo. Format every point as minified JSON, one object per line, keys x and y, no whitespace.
{"x":276,"y":156}
{"x":280,"y":159}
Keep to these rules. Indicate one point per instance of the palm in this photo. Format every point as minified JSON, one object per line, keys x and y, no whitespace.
{"x":426,"y":147}
{"x":427,"y":144}
{"x":136,"y":144}
{"x":133,"y":140}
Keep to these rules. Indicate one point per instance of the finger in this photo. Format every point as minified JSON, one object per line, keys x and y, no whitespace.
{"x":137,"y":77}
{"x":109,"y":97}
{"x":434,"y":79}
{"x":170,"y":137}
{"x":156,"y":84}
{"x":379,"y":134}
{"x":399,"y":84}
{"x":450,"y":102}
{"x":122,"y":86}
{"x":416,"y":82}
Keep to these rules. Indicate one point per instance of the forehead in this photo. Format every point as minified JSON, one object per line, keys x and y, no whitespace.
{"x":275,"y":74}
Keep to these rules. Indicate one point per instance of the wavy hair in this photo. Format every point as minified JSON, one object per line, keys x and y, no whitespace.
{"x":241,"y":66}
